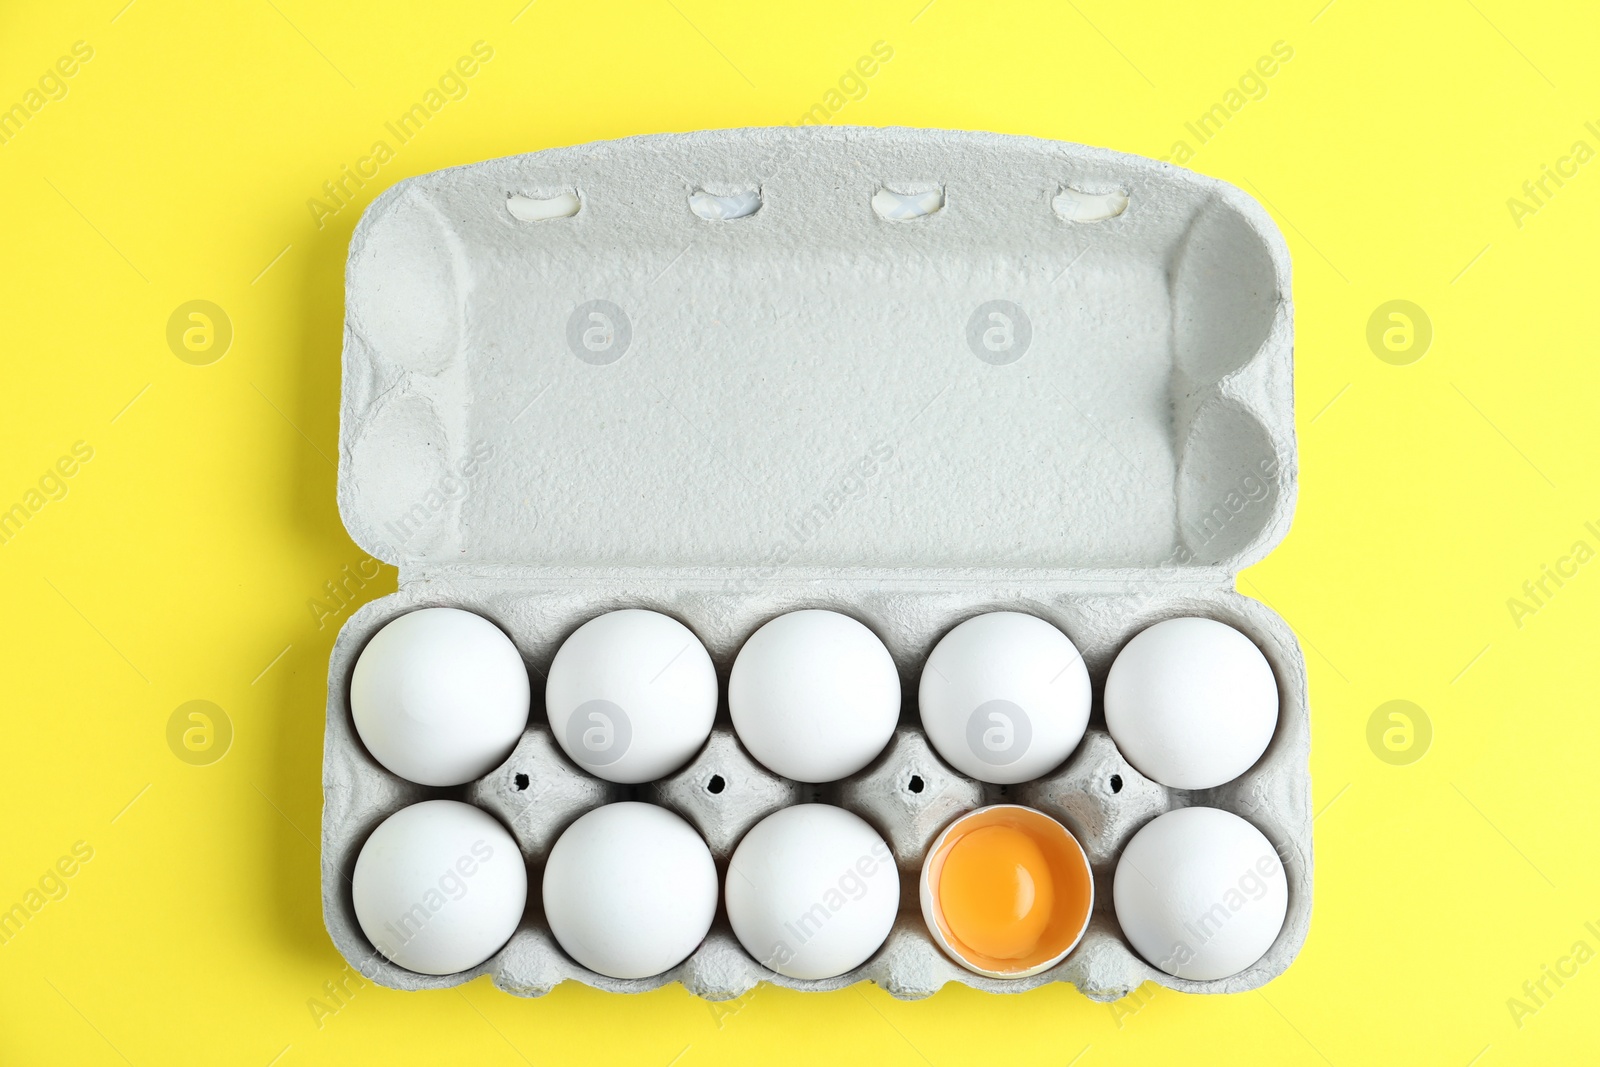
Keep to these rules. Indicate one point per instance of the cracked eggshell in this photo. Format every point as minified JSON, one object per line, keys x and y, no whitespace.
{"x":1071,"y":890}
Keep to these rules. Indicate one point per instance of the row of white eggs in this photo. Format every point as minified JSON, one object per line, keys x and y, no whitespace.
{"x":440,"y":696}
{"x":630,"y":890}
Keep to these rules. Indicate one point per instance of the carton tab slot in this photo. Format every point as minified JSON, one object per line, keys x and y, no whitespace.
{"x":903,"y":207}
{"x":725,"y":208}
{"x":563,"y":205}
{"x":1075,"y":205}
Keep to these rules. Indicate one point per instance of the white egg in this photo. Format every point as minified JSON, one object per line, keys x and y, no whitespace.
{"x":812,"y":891}
{"x":1191,"y":703}
{"x":630,"y":890}
{"x":440,"y":696}
{"x":814,"y":695}
{"x":1004,"y":697}
{"x":631,"y":695}
{"x":439,"y":887}
{"x":1200,"y":893}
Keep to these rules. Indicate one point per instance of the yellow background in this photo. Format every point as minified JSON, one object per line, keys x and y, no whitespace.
{"x":180,"y":562}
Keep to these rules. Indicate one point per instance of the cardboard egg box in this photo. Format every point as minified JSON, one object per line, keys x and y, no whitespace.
{"x":908,"y":375}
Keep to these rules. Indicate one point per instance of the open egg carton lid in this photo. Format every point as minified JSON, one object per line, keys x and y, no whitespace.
{"x":911,"y":375}
{"x":1075,"y":358}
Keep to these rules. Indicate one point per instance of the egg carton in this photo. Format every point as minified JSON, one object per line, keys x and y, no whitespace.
{"x":912,"y":376}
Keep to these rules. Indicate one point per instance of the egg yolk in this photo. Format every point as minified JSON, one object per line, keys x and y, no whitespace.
{"x":996,"y":892}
